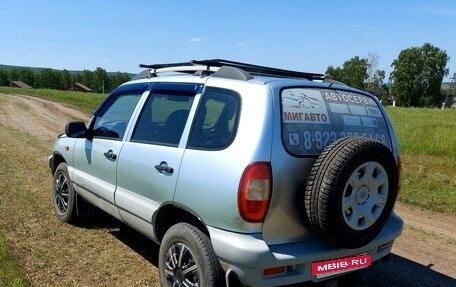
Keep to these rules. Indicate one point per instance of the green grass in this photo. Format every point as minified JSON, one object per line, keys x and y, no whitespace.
{"x":10,"y":272}
{"x":427,"y":139}
{"x":87,"y":102}
{"x":425,"y":131}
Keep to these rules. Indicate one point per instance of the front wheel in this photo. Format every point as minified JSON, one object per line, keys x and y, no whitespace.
{"x":187,"y":258}
{"x":63,"y":195}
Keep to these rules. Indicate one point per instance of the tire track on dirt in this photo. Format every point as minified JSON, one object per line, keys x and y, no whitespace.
{"x":35,"y":116}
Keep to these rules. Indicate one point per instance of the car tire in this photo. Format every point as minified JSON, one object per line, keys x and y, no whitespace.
{"x":351,"y":191}
{"x":63,"y":195}
{"x":186,"y":258}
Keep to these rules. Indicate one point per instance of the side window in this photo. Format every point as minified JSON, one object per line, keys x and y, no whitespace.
{"x":163,"y":117}
{"x":112,"y":119}
{"x":216,"y":120}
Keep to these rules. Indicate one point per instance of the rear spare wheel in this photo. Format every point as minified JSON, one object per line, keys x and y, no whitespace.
{"x":351,"y":191}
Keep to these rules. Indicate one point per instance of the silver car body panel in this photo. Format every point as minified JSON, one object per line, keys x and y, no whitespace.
{"x":213,"y":177}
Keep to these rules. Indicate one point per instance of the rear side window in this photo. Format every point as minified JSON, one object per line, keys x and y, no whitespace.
{"x":314,"y":118}
{"x":216,"y":120}
{"x":164,"y":115}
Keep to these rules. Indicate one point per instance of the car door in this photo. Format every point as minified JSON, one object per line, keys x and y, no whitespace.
{"x":149,"y":163}
{"x":95,"y":157}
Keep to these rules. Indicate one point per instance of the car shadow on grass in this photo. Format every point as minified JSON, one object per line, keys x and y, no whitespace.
{"x":392,"y":271}
{"x":141,"y":244}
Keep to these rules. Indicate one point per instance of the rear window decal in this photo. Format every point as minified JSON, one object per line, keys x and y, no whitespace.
{"x":314,"y":118}
{"x":302,"y":106}
{"x":352,"y":121}
{"x":357,"y":110}
{"x":345,"y":97}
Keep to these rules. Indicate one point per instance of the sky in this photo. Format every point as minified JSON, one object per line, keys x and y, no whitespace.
{"x":289,"y":34}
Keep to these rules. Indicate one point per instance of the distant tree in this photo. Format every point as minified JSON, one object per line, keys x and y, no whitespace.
{"x":100,"y":81}
{"x":86,"y":78}
{"x":49,"y":79}
{"x":66,"y":80}
{"x":375,"y":77}
{"x":118,"y":79}
{"x":417,"y":76}
{"x":334,"y":73}
{"x":352,"y":73}
{"x":25,"y":75}
{"x":372,"y":65}
{"x":385,"y":94}
{"x":375,"y":84}
{"x":355,"y":72}
{"x":4,"y":77}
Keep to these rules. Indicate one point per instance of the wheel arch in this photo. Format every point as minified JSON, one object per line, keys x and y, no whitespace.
{"x":171,"y":214}
{"x":57,"y":159}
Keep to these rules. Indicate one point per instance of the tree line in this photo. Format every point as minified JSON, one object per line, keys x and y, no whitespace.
{"x":98,"y":80}
{"x":416,"y":79}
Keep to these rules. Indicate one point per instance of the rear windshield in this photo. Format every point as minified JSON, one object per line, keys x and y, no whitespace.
{"x":314,"y":118}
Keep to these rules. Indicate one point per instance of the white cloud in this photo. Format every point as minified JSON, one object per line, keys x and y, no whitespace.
{"x":195,"y":40}
{"x":435,"y":10}
{"x":241,"y":44}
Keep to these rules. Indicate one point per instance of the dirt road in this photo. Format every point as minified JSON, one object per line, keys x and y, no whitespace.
{"x":425,"y":255}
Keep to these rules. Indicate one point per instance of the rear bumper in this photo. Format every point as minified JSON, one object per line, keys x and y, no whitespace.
{"x":248,"y":255}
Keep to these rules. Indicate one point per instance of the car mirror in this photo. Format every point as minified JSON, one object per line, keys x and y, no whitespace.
{"x":76,"y":129}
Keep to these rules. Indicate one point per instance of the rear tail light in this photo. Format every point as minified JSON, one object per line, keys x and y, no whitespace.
{"x":254,"y":193}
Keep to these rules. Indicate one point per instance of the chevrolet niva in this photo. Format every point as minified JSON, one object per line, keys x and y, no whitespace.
{"x":243,"y":174}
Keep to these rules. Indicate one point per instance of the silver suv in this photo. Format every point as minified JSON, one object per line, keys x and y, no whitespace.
{"x":244,"y":174}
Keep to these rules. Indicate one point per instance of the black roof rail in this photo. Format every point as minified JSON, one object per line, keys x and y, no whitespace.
{"x":260,"y":70}
{"x":211,"y":66}
{"x":161,"y":66}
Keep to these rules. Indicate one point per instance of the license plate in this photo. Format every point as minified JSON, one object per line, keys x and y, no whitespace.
{"x":333,"y":267}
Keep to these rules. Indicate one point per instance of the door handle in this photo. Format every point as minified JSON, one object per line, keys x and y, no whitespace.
{"x":164,"y":168}
{"x":110,"y":155}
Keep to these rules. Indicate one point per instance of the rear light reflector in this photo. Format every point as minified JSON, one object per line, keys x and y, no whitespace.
{"x":274,"y":271}
{"x":254,"y":194}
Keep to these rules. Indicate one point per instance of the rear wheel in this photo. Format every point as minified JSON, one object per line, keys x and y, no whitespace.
{"x":187,"y":258}
{"x":63,"y":195}
{"x":351,"y":191}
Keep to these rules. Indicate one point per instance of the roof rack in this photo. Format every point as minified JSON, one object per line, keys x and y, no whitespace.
{"x":213,"y":65}
{"x":261,"y":70}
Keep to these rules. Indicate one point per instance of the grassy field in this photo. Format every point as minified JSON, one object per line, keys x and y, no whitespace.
{"x":427,"y":139}
{"x":10,"y":272}
{"x":428,"y":150}
{"x":15,"y":208}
